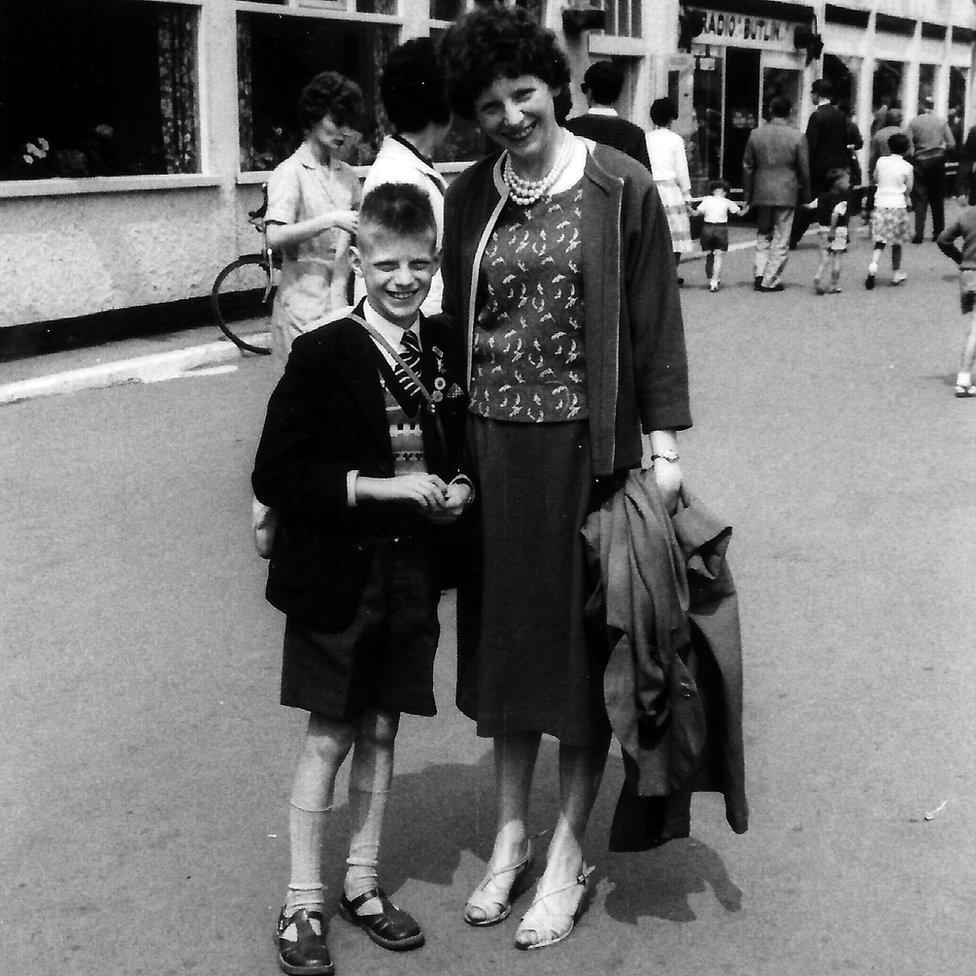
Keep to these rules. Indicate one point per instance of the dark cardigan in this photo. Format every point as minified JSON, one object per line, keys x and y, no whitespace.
{"x":636,"y":366}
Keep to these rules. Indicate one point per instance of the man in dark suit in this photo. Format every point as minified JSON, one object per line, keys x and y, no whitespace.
{"x":827,"y":145}
{"x":602,"y":85}
{"x":775,"y":175}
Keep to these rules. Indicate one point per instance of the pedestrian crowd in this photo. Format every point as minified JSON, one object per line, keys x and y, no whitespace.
{"x":792,"y":179}
{"x":497,"y":412}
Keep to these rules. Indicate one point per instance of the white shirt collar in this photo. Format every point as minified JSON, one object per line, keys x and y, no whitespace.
{"x":394,"y":148}
{"x":392,"y":333}
{"x":602,"y":110}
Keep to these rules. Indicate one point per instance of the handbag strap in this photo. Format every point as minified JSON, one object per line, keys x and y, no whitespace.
{"x":397,"y":358}
{"x":431,"y":403}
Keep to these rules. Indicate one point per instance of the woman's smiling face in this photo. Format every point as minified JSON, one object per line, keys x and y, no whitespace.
{"x":518,"y":114}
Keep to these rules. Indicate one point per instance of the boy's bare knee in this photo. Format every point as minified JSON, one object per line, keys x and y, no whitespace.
{"x":378,"y":727}
{"x":328,"y":740}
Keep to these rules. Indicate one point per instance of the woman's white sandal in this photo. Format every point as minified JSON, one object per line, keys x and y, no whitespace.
{"x":496,"y":905}
{"x":552,"y":927}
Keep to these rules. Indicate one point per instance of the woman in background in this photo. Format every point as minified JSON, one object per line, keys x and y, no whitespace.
{"x":412,"y":89}
{"x":669,"y":164}
{"x":313,"y":197}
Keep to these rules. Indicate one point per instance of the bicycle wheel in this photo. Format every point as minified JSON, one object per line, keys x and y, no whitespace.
{"x":241,"y":300}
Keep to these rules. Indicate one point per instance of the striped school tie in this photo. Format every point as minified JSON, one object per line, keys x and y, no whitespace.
{"x":410,"y":353}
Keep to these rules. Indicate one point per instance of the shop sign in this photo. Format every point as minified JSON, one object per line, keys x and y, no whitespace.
{"x":724,"y":27}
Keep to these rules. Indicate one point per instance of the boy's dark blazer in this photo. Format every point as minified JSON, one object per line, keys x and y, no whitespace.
{"x":327,"y":416}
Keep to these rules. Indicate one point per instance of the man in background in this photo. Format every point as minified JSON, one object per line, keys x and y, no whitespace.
{"x":602,"y":85}
{"x":827,"y":145}
{"x":931,"y":139}
{"x":775,"y":174}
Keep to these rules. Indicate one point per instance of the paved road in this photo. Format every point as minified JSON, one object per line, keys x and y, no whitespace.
{"x":145,"y":763}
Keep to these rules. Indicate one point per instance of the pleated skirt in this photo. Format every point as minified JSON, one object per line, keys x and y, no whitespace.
{"x":676,"y":211}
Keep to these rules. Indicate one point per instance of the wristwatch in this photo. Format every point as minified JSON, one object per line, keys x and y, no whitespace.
{"x":670,"y":456}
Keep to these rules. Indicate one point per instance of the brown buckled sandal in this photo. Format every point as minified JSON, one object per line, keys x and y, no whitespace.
{"x":300,"y":939}
{"x":392,"y":928}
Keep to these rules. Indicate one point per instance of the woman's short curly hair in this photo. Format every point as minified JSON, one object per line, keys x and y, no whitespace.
{"x":333,"y":95}
{"x":412,"y":87}
{"x":498,"y":42}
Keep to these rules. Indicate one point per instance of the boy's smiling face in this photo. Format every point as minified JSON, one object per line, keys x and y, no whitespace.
{"x":396,"y":270}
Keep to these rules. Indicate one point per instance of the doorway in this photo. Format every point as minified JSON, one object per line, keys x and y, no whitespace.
{"x":741,"y":108}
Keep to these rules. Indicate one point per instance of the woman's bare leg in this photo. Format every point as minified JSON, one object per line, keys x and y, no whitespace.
{"x":580,"y":773}
{"x":515,"y":757}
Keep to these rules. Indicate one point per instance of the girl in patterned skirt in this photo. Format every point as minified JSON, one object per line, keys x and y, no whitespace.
{"x":831,"y":207}
{"x":891,"y":219}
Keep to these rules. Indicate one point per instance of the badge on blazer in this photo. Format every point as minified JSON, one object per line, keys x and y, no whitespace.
{"x":437,"y":396}
{"x":439,"y":358}
{"x":440,"y":383}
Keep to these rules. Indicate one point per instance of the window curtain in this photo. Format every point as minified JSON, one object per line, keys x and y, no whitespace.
{"x":245,"y":88}
{"x":177,"y":89}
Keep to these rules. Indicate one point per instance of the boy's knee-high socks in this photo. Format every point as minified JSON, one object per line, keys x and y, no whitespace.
{"x":369,"y":788}
{"x":306,"y":831}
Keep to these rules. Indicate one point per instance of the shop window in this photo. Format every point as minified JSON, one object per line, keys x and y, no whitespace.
{"x":465,"y":140}
{"x":842,"y":73}
{"x":927,"y":74}
{"x":108,"y":88}
{"x":624,"y":18}
{"x":785,"y":83}
{"x":889,"y":79}
{"x":705,"y":144}
{"x":446,"y":9}
{"x":277,"y":56}
{"x":957,"y":102}
{"x":387,"y":7}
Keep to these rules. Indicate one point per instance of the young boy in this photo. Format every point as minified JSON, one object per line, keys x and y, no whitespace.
{"x":964,"y":226}
{"x":358,"y":467}
{"x":715,"y":229}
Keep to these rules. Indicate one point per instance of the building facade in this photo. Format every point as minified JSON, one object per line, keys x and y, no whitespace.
{"x":135,"y":134}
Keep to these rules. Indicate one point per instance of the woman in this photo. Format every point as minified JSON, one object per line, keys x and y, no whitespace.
{"x":312,"y":201}
{"x":412,"y":89}
{"x":669,"y":164}
{"x":574,"y":343}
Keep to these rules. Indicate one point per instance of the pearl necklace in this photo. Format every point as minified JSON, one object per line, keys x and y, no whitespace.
{"x":528,"y":192}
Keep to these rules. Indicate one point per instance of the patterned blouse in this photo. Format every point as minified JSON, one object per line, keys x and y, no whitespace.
{"x":529,"y":362}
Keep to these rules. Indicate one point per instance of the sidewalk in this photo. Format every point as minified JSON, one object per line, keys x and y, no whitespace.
{"x":157,"y":358}
{"x":145,"y":360}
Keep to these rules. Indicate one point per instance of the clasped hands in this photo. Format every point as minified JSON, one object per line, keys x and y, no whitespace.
{"x":441,"y":503}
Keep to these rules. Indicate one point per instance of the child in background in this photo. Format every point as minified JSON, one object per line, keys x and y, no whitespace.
{"x":715,"y":231}
{"x":964,"y":226}
{"x":831,"y":207}
{"x":890,"y":221}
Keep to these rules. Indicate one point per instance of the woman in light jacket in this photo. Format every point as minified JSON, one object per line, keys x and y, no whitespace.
{"x":559,"y":276}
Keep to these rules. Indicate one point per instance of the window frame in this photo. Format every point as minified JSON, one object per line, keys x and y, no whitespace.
{"x":410,"y":27}
{"x":81,"y":185}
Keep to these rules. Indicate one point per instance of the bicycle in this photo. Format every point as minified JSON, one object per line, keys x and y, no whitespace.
{"x":244,"y":291}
